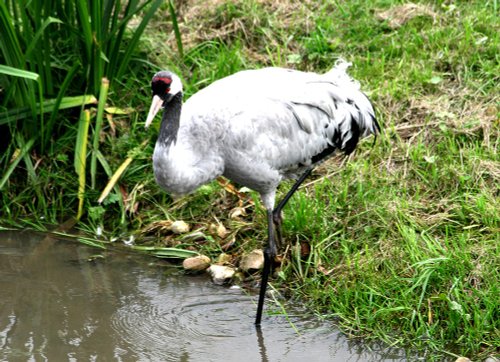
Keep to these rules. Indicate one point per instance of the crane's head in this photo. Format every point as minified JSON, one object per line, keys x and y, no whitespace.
{"x":164,"y":85}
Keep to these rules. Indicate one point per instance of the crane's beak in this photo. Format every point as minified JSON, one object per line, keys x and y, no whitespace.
{"x":153,"y":110}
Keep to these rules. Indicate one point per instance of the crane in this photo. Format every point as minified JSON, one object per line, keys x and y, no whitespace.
{"x":257,"y":128}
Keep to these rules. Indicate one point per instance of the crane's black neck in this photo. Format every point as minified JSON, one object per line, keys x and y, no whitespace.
{"x":170,"y":120}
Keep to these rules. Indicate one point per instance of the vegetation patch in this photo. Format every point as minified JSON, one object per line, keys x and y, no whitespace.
{"x":398,"y":242}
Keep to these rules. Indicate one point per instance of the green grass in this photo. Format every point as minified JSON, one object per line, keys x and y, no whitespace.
{"x":404,"y":235}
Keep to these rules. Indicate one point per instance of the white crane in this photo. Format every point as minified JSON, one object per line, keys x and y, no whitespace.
{"x":257,"y":127}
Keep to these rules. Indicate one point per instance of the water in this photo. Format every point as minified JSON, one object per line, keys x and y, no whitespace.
{"x":59,"y":302}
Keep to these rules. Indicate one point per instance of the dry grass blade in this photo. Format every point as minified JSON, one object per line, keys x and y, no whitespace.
{"x":114,"y":179}
{"x":400,"y":15}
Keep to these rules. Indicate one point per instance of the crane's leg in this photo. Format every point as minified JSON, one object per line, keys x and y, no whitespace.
{"x":274,"y":221}
{"x":269,"y":254}
{"x":277,"y":218}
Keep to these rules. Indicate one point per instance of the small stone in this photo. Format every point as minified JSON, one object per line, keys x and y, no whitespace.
{"x":221,"y":231}
{"x":196,"y":263}
{"x":179,"y":227}
{"x":462,"y":359}
{"x":221,"y":274}
{"x":218,"y":229}
{"x":253,"y":261}
{"x":224,"y":258}
{"x":492,"y":359}
{"x":238,"y":277}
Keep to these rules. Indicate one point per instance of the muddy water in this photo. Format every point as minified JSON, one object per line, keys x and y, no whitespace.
{"x":59,"y":302}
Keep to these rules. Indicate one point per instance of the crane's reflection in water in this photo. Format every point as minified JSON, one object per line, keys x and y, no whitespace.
{"x":60,"y":302}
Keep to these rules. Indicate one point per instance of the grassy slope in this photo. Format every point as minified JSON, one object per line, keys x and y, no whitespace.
{"x":404,"y":237}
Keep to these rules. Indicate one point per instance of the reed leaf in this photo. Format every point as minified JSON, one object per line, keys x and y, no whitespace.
{"x":162,"y":252}
{"x":85,"y":28}
{"x":16,"y":72}
{"x":103,"y":94}
{"x":15,"y":161}
{"x":80,"y":159}
{"x":92,"y":242}
{"x":175,"y":25}
{"x":49,"y":106}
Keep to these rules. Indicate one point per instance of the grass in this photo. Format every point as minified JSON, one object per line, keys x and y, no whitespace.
{"x":399,"y":242}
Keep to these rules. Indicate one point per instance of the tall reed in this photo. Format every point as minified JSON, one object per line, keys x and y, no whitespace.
{"x":53,"y":56}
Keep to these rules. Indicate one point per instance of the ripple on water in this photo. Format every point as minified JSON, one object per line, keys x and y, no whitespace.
{"x":183,"y":315}
{"x":203,"y":322}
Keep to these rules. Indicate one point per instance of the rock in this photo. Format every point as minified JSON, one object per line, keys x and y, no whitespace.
{"x":492,"y":359}
{"x":221,"y":274}
{"x":462,"y":359}
{"x":179,"y":227}
{"x":196,"y":263}
{"x":253,"y":261}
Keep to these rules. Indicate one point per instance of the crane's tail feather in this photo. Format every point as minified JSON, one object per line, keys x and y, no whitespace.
{"x":338,"y":75}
